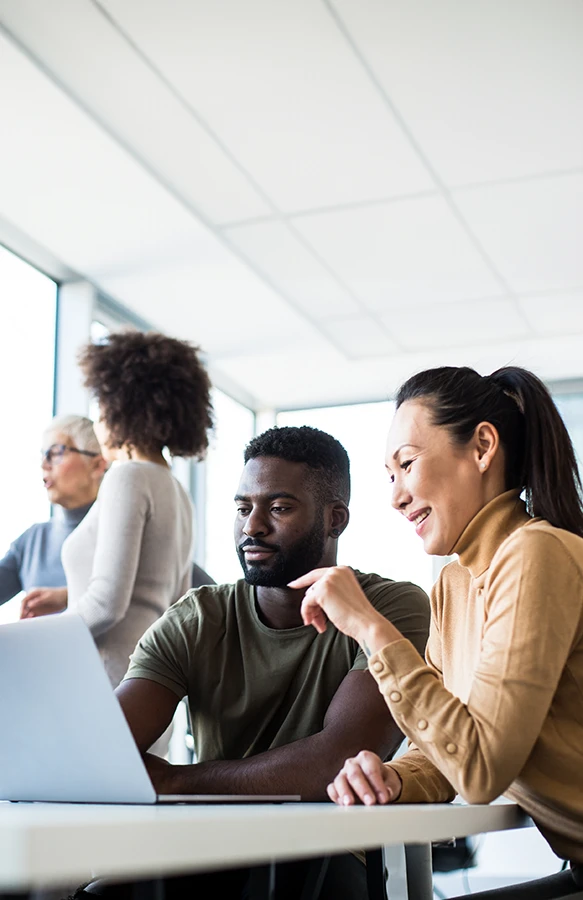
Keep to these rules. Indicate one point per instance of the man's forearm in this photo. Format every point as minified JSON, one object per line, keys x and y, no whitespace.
{"x":303,"y":767}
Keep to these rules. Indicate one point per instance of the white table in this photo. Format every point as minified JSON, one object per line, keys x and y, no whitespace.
{"x":56,"y":844}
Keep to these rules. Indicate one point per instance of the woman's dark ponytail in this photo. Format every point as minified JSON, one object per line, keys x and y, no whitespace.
{"x":539,"y":455}
{"x":550,"y":476}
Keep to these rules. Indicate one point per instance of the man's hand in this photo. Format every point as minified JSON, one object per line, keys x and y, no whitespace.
{"x":162,"y":773}
{"x":367,"y":779}
{"x":43,"y":601}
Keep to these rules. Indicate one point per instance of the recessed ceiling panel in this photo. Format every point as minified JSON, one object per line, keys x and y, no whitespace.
{"x":458,"y":324}
{"x":217,"y":304}
{"x":360,"y":337}
{"x":88,"y":55}
{"x":281,"y":87}
{"x":402,"y":254}
{"x":554,"y":314}
{"x":74,"y":190}
{"x":532,"y":230}
{"x":275,"y":250}
{"x":490,"y":89}
{"x":325,"y":378}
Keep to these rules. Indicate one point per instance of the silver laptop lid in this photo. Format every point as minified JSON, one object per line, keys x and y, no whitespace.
{"x":63,"y":735}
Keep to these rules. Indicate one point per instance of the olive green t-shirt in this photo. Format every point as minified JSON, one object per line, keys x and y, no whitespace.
{"x":251,"y":688}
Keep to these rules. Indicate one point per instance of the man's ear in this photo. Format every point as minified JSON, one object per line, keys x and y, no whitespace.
{"x":339,"y":517}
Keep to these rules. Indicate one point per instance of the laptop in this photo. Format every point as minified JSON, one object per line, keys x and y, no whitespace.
{"x":63,"y":735}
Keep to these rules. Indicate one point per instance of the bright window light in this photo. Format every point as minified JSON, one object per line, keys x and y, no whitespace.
{"x":27,"y":364}
{"x":235,"y":426}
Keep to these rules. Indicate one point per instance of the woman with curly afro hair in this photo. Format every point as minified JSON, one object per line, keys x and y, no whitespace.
{"x":131,"y":557}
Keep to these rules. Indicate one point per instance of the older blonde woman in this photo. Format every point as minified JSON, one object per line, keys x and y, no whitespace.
{"x":72,"y":469}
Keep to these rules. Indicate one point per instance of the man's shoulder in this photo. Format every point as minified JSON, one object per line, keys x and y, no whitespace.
{"x":379,"y":589}
{"x":209,"y":601}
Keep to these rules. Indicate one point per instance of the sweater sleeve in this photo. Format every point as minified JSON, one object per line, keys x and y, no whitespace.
{"x":10,"y":583}
{"x":421,"y":779}
{"x":532,"y":615}
{"x":124,"y":507}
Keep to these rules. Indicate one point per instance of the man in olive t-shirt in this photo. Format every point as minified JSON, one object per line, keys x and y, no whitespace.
{"x":275,"y":707}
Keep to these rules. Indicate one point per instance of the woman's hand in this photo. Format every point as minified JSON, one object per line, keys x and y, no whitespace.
{"x":43,"y":602}
{"x":335,"y":594}
{"x":367,"y":779}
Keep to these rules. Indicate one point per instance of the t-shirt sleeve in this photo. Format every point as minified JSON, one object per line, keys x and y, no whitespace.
{"x":404,"y":604}
{"x":162,"y":653}
{"x":10,"y":583}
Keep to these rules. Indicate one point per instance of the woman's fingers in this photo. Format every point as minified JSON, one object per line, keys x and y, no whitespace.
{"x":312,"y":613}
{"x":344,"y":795}
{"x":365,"y":778}
{"x":375,"y":772}
{"x":308,"y":579}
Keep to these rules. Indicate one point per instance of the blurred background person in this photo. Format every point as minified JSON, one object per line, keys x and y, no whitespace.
{"x":132,"y":557}
{"x":72,"y":469}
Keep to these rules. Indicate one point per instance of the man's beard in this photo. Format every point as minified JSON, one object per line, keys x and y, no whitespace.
{"x":284,"y":566}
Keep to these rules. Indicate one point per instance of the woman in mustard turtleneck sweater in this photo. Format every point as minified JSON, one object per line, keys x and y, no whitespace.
{"x":496,"y":707}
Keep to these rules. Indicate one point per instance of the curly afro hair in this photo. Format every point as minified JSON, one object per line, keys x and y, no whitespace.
{"x":153,"y":391}
{"x":316,"y":449}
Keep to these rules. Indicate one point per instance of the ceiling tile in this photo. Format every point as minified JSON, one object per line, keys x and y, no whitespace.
{"x":360,"y":337}
{"x":489,"y":89}
{"x":219,"y":304}
{"x":88,"y":55}
{"x":458,"y":324}
{"x":394,"y":255}
{"x":554,"y":314}
{"x":531,"y":231}
{"x":284,"y":91}
{"x":70,"y":187}
{"x":276,"y":251}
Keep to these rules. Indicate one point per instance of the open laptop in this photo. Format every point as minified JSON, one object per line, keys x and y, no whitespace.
{"x":63,"y":736}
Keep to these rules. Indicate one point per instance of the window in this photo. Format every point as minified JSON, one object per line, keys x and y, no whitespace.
{"x":27,"y":365}
{"x":234,"y":428}
{"x":378,"y":539}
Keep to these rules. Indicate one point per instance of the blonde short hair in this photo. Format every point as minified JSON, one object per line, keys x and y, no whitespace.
{"x":78,"y":428}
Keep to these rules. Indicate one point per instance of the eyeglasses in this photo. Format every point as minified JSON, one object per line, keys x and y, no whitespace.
{"x":54,"y":455}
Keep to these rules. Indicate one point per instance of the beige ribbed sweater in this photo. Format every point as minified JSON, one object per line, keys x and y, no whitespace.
{"x":498,"y":708}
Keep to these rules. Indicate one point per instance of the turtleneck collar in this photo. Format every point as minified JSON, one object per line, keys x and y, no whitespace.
{"x":480,"y":539}
{"x":70,"y":518}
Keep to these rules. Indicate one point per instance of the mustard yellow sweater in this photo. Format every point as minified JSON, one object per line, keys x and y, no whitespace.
{"x":497,"y":708}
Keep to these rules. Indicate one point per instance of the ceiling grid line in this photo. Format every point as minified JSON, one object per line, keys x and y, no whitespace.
{"x":437,"y":180}
{"x":336,"y":207}
{"x":169,"y":187}
{"x":278,"y":215}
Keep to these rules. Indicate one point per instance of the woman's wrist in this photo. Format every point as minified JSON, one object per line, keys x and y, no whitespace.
{"x":376,"y":634}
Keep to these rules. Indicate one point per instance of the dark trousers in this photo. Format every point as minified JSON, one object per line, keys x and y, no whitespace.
{"x":341,"y":878}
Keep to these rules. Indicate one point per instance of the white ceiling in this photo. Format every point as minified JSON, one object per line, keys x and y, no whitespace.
{"x":326,"y":195}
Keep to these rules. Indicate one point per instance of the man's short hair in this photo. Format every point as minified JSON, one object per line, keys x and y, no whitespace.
{"x":319,"y":451}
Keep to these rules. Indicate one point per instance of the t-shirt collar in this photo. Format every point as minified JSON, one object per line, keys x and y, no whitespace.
{"x":480,"y":539}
